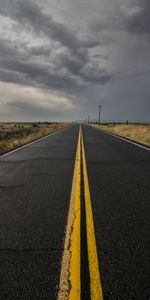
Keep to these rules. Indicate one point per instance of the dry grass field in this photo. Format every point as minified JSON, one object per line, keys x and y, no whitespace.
{"x":139,"y":133}
{"x":18,"y":134}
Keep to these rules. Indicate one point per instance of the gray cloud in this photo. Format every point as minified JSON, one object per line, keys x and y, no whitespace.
{"x":37,"y":75}
{"x":139,"y":20}
{"x":40,"y":51}
{"x":68,"y":70}
{"x":30,"y":14}
{"x":133,"y":16}
{"x":91,"y":56}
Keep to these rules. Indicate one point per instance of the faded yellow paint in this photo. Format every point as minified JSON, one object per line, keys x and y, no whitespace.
{"x":95,"y":283}
{"x":75,"y":280}
{"x":70,"y":279}
{"x":70,"y":282}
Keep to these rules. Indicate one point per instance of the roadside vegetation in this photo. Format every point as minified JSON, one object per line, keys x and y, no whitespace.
{"x":136,"y":132}
{"x":13,"y":135}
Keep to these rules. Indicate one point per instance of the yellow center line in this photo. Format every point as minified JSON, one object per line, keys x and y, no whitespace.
{"x":70,"y":277}
{"x":70,"y":282}
{"x":95,"y":283}
{"x":75,"y":280}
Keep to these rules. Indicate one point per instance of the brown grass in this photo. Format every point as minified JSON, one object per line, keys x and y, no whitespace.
{"x":15,"y":135}
{"x":139,"y":133}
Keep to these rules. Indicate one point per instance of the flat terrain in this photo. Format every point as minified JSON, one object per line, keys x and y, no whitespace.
{"x":136,"y":132}
{"x":35,"y":189}
{"x":13,"y":135}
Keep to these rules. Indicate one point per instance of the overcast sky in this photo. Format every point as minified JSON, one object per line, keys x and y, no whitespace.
{"x":59,"y":59}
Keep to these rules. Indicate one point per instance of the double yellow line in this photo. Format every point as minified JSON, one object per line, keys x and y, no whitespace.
{"x":70,"y":278}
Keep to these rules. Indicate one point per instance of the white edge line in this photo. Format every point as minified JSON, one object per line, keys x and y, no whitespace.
{"x":121,"y":138}
{"x":26,"y":145}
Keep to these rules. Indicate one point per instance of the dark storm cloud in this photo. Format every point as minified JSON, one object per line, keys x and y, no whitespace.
{"x":49,"y":73}
{"x":32,"y":74}
{"x":107,"y":22}
{"x":88,"y":71}
{"x":6,"y":49}
{"x":139,"y":21}
{"x":87,"y":56}
{"x":135,"y":19}
{"x":19,"y":67}
{"x":75,"y":56}
{"x":9,"y":49}
{"x":28,"y":13}
{"x":40,"y":51}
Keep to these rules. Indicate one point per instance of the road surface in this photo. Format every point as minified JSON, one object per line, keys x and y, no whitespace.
{"x":75,"y":218}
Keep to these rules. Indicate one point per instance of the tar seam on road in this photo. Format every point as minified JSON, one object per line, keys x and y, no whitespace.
{"x":95,"y":282}
{"x":69,"y":286}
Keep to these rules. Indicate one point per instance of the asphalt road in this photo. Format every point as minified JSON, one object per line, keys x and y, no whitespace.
{"x":119,"y":180}
{"x":35,"y":188}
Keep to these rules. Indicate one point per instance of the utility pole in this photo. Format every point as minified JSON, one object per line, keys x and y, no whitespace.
{"x":88,"y":119}
{"x":99,"y":120}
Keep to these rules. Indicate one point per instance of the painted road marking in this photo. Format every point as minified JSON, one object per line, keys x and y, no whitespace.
{"x":31,"y":143}
{"x":95,"y":282}
{"x":70,"y":281}
{"x":70,"y":277}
